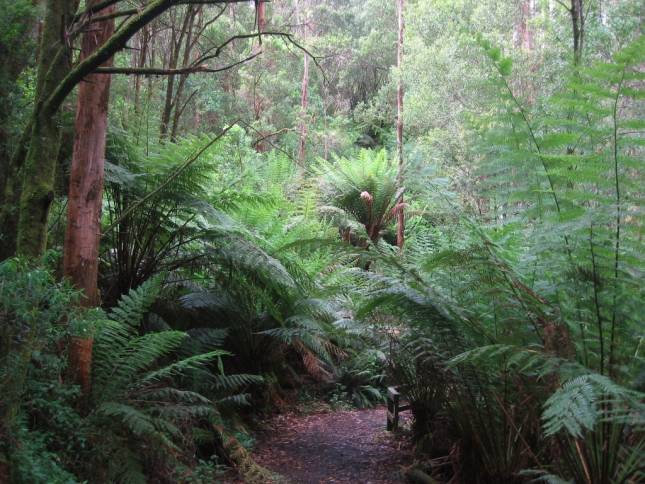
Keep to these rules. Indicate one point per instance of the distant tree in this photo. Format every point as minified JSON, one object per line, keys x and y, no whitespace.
{"x":304,"y":89}
{"x":400,"y":230}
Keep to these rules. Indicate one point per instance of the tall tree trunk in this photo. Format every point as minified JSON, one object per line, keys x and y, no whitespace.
{"x":178,"y":103}
{"x":400,"y":230}
{"x":15,"y":55}
{"x":523,"y":30}
{"x":257,"y":101}
{"x":304,"y":100}
{"x":261,"y":15}
{"x":82,"y":237}
{"x":35,"y":178}
{"x":578,"y":26}
{"x":144,"y":37}
{"x":524,"y":39}
{"x":170,"y":88}
{"x":176,"y":42}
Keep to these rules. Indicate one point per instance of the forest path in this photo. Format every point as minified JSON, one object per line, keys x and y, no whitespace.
{"x":338,"y":447}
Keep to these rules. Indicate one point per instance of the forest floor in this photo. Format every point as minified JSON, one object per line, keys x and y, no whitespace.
{"x":347,"y":446}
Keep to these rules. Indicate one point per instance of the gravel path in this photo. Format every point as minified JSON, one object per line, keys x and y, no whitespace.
{"x":337,"y":447}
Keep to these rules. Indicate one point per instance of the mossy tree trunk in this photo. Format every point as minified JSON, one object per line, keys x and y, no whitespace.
{"x":36,"y":177}
{"x":55,"y":81}
{"x":15,"y":56}
{"x":29,"y":182}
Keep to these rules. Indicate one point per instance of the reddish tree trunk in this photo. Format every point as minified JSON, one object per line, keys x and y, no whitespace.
{"x":261,"y":15}
{"x":523,"y":29}
{"x":80,"y":261}
{"x":400,"y":230}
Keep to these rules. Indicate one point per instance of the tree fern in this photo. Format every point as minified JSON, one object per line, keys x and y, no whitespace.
{"x":134,"y":397}
{"x":538,"y":300}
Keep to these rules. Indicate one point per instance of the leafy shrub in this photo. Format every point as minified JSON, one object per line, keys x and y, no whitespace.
{"x":32,"y":305}
{"x":141,"y":419}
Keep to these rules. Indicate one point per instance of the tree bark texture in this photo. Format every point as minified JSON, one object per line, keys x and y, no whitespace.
{"x":83,"y":234}
{"x":258,"y":103}
{"x":80,"y":261}
{"x":523,"y":29}
{"x":55,"y":80}
{"x":261,"y":20}
{"x":14,"y":58}
{"x":578,"y":26}
{"x":37,"y":177}
{"x":144,"y":39}
{"x":176,"y":42}
{"x":304,"y":102}
{"x":178,"y":103}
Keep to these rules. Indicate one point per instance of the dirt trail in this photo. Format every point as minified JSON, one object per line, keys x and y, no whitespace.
{"x":337,"y":447}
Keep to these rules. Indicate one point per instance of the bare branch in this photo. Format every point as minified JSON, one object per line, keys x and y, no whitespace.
{"x":118,"y":42}
{"x":288,"y":155}
{"x":568,"y":9}
{"x":120,"y":13}
{"x":153,"y":71}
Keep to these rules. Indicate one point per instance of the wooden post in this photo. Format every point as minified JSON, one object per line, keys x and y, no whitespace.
{"x":392,"y":408}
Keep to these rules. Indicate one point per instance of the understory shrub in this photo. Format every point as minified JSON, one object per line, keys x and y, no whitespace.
{"x":142,"y":419}
{"x":520,"y":339}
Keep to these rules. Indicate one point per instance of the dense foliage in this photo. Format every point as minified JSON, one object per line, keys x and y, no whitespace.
{"x":237,"y":276}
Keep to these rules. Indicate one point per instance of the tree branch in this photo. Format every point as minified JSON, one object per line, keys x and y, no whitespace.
{"x":120,"y":13}
{"x":116,"y":43}
{"x":97,"y":7}
{"x":153,"y":71}
{"x":568,"y":9}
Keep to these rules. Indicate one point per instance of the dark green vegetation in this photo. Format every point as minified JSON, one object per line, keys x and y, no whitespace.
{"x":248,"y":256}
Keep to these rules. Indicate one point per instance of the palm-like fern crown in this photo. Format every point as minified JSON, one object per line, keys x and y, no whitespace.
{"x":365,"y":188}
